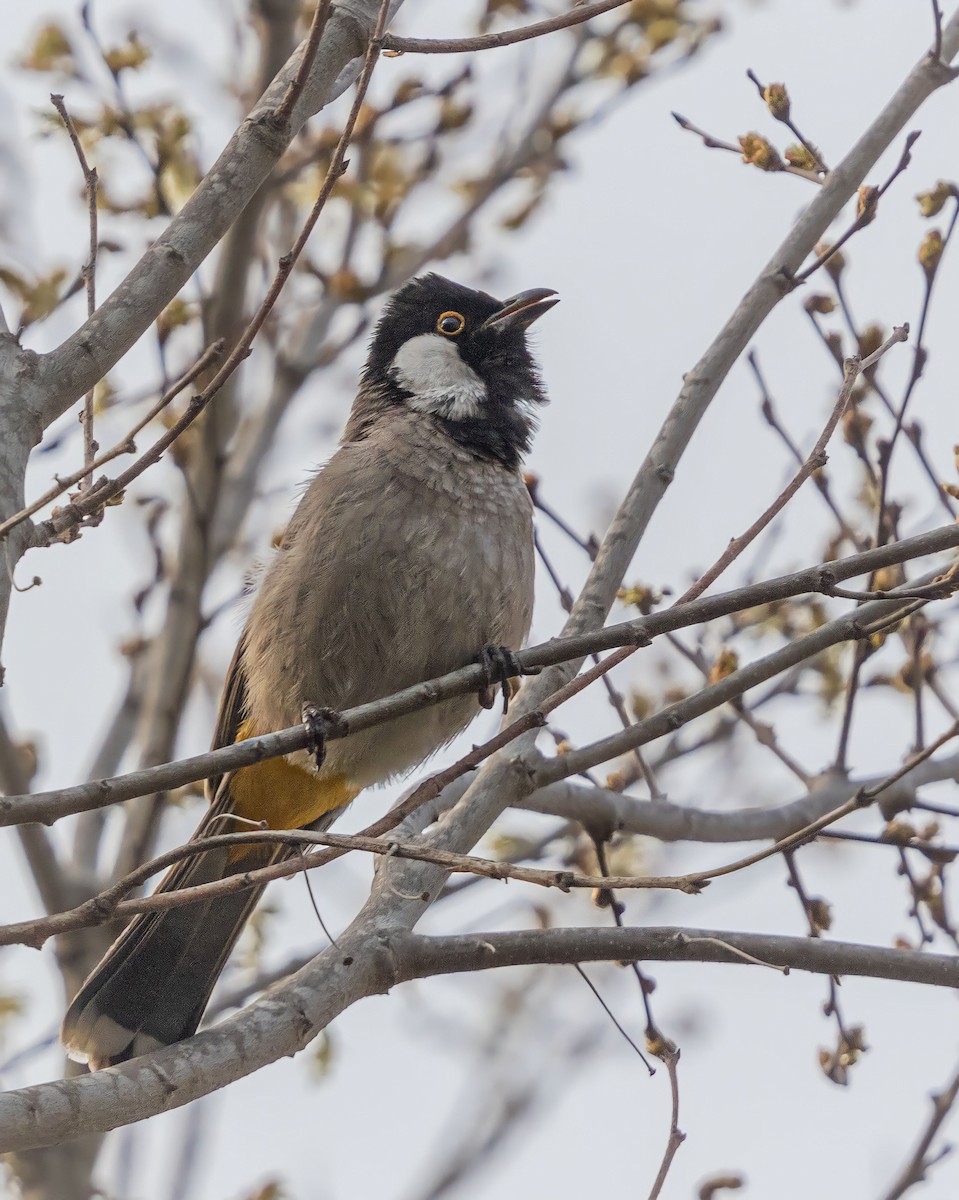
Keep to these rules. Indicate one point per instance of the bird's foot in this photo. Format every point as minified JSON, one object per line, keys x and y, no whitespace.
{"x":500,"y":665}
{"x":319,"y":723}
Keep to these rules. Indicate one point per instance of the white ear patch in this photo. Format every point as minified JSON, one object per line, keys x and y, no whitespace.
{"x":430,"y":367}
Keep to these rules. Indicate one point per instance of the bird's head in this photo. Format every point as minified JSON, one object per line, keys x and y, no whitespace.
{"x":461,"y":358}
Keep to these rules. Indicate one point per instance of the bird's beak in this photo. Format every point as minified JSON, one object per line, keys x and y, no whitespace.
{"x":520,"y":311}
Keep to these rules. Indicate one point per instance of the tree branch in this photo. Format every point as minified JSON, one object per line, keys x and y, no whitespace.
{"x":853,"y":626}
{"x":915,"y":1170}
{"x":366,"y":962}
{"x":89,"y":273}
{"x":126,"y":445}
{"x":93,"y":502}
{"x":508,"y":37}
{"x":64,"y":374}
{"x":369,"y":957}
{"x":508,"y":776}
{"x":36,"y":843}
{"x":418,"y":957}
{"x":109,"y":905}
{"x":814,"y":461}
{"x":602,"y":811}
{"x":47,"y":807}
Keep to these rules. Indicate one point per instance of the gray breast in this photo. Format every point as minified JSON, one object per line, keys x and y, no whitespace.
{"x":405,"y":557}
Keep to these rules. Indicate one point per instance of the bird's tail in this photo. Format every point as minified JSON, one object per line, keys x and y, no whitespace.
{"x":153,"y":984}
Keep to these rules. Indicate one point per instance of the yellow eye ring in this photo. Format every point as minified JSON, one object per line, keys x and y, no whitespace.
{"x":450,"y":324}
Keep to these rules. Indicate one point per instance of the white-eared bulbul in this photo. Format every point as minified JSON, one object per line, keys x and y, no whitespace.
{"x":409,"y":555}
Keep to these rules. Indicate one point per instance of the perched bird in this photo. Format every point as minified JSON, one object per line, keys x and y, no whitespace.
{"x":409,"y":555}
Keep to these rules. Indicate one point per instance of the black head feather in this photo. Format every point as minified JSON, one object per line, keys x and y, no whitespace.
{"x":502,"y":424}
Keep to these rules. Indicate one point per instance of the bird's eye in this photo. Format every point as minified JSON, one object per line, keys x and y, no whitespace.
{"x":450,"y":323}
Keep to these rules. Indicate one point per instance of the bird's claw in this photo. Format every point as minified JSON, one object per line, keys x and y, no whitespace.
{"x":319,"y":723}
{"x":499,"y":665}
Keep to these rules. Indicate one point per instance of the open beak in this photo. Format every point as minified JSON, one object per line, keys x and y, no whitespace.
{"x":520,"y":311}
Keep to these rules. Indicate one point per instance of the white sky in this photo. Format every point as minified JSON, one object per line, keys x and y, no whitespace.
{"x":651,"y":240}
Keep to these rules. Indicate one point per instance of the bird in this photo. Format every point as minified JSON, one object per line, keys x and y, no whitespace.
{"x":410,"y":554}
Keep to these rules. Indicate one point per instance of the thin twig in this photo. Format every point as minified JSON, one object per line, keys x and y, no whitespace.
{"x":877,"y":389}
{"x":285,"y":108}
{"x":925,"y":936}
{"x":860,"y":653}
{"x":100,"y":496}
{"x":612,"y":1016}
{"x":819,"y":477}
{"x":109,"y":904}
{"x":613,"y":694}
{"x":656,"y":1042}
{"x":89,"y":273}
{"x":738,"y":952}
{"x":870,"y":793}
{"x":47,"y":807}
{"x":852,"y":368}
{"x":714,"y":143}
{"x":813,"y":910}
{"x":932,"y":850}
{"x":764,"y":733}
{"x":124,"y":114}
{"x":813,"y":150}
{"x":126,"y":445}
{"x":937,"y":39}
{"x":508,"y":37}
{"x":862,"y":799}
{"x":919,"y":360}
{"x":676,"y":1136}
{"x":937,"y":590}
{"x":865,"y":216}
{"x":589,"y":545}
{"x":915,"y":1169}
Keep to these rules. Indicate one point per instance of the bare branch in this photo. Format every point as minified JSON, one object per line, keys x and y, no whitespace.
{"x":293,"y":92}
{"x":58,"y":378}
{"x":170,"y":660}
{"x":915,"y":1170}
{"x":868,"y":204}
{"x":817,"y":458}
{"x":367,"y":961}
{"x":108,"y":905}
{"x":853,"y":627}
{"x":89,"y":273}
{"x":602,"y":811}
{"x":489,"y":41}
{"x":714,"y":143}
{"x":418,"y":956}
{"x":37,"y":846}
{"x":126,"y":444}
{"x":92,"y":504}
{"x":676,"y":1136}
{"x":702,"y":382}
{"x":931,"y":273}
{"x":46,"y":807}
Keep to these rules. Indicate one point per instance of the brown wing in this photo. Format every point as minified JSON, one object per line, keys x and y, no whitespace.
{"x":153,"y":984}
{"x":232,"y":710}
